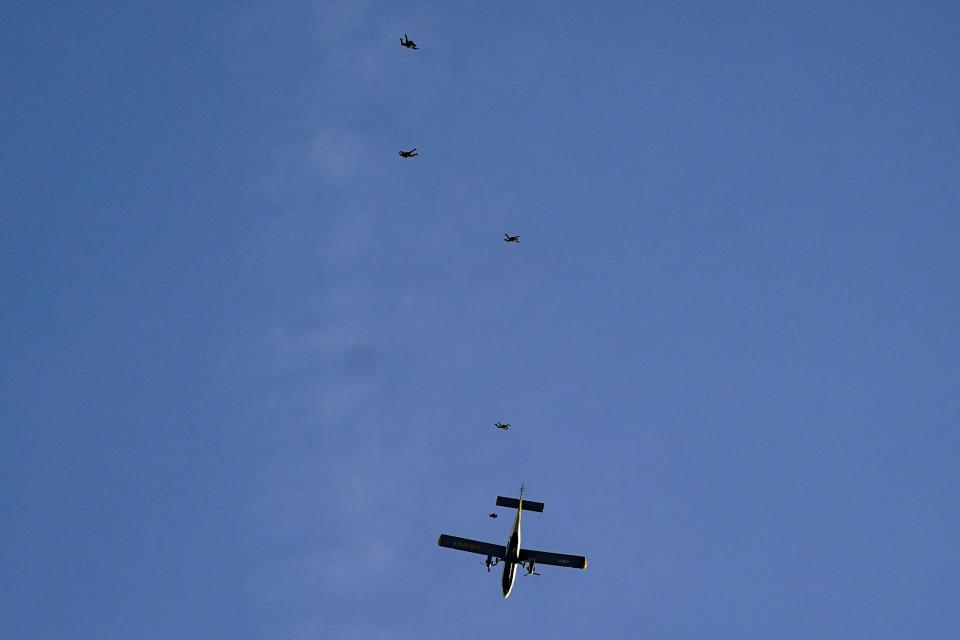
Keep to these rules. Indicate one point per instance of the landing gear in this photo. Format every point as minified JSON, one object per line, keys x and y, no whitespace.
{"x":530,"y":568}
{"x":490,"y":562}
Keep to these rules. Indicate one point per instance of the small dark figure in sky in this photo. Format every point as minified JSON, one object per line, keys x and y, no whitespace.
{"x":408,"y":43}
{"x":500,"y":425}
{"x":409,"y":154}
{"x":509,"y":238}
{"x":493,"y":515}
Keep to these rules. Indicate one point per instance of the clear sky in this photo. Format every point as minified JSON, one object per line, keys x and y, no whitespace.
{"x":251,"y":358}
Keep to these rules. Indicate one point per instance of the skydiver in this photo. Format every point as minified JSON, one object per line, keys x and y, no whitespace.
{"x":509,"y":238}
{"x":409,"y":154}
{"x":408,"y":43}
{"x":501,"y":425}
{"x":493,"y":515}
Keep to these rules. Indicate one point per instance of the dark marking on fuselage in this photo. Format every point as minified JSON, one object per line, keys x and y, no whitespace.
{"x":509,"y":575}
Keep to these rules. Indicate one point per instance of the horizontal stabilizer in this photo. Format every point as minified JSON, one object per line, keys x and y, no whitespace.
{"x":513,"y":503}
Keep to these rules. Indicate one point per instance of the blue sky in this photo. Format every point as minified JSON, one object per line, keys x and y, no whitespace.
{"x":252,"y":359}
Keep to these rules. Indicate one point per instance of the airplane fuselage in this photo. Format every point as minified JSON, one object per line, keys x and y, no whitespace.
{"x":513,"y":553}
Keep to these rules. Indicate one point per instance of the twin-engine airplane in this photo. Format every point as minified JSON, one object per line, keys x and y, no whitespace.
{"x":512,"y":554}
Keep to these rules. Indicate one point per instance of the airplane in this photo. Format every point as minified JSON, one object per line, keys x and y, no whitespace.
{"x":408,"y":43}
{"x":409,"y":154}
{"x":509,"y":238}
{"x":512,"y":554}
{"x":501,"y":425}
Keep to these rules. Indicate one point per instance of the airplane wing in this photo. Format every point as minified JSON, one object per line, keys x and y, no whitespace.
{"x":556,"y":559}
{"x":473,"y":546}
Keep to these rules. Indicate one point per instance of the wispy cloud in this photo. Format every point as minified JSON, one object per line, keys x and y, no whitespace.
{"x":355,"y":630}
{"x":328,"y":485}
{"x":327,"y":489}
{"x":358,"y":38}
{"x":338,"y":153}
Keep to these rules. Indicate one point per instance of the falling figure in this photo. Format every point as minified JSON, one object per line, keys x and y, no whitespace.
{"x":409,"y":154}
{"x":408,"y":43}
{"x":509,"y":238}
